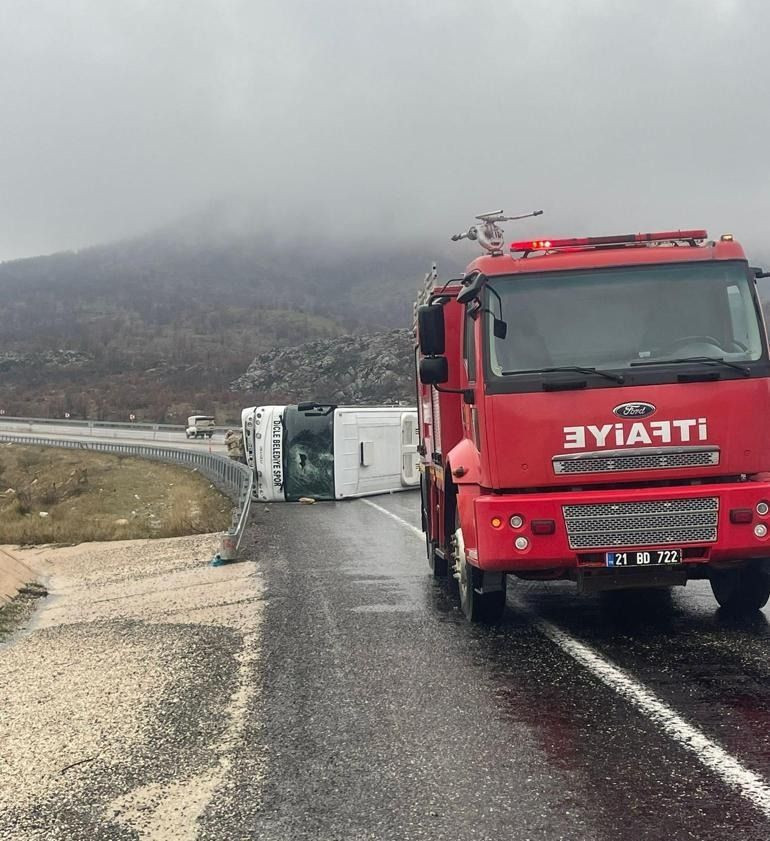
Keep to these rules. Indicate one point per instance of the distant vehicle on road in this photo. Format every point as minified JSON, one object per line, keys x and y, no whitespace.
{"x":200,"y":426}
{"x":325,"y":452}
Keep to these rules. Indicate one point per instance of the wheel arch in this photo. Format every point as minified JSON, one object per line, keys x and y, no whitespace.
{"x":460,"y":498}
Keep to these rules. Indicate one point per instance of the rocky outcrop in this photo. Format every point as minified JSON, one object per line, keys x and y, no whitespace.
{"x":374,"y":368}
{"x":60,"y":358}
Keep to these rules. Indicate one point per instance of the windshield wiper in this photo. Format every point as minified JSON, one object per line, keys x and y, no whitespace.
{"x":718,"y":359}
{"x":577,"y":369}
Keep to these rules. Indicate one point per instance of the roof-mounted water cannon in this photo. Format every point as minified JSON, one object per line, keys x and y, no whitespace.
{"x":489,"y":234}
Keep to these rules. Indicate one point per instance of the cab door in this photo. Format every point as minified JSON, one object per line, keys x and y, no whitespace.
{"x":469,"y":374}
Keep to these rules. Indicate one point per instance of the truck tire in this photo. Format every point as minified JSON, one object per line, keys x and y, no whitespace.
{"x":740,"y":592}
{"x":486,"y":608}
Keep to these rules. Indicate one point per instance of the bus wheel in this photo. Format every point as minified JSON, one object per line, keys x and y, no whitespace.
{"x":740,"y":591}
{"x":477,"y":605}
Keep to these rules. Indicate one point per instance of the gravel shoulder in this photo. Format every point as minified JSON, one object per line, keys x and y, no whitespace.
{"x":125,"y":696}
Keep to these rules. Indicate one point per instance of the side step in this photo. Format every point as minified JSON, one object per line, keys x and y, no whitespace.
{"x":599,"y":580}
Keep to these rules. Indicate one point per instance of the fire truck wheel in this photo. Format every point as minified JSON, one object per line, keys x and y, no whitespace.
{"x":740,"y":591}
{"x":478,"y":607}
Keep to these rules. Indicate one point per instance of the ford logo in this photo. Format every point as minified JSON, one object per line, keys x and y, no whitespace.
{"x":634,"y":410}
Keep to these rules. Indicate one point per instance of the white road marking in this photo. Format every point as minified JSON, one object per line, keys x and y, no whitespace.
{"x":709,"y":753}
{"x":714,"y":757}
{"x":395,"y":517}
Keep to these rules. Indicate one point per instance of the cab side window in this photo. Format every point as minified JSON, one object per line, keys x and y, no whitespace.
{"x":740,"y":308}
{"x":469,"y":346}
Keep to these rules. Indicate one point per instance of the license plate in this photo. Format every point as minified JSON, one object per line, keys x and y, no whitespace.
{"x":648,"y":557}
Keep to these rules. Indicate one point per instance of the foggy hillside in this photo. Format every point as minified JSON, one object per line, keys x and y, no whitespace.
{"x":164,"y":280}
{"x":160,"y":325}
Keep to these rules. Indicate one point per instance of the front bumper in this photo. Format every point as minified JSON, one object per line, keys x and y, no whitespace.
{"x":721,"y":543}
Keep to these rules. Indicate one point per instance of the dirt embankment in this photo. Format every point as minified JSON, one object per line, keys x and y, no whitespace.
{"x":126,"y":692}
{"x":19,"y":587}
{"x":15,"y":573}
{"x":55,"y":496}
{"x":51,"y":495}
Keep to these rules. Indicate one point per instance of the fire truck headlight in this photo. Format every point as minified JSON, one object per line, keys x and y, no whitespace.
{"x":521,"y":543}
{"x":516,"y":521}
{"x":760,"y":530}
{"x":762,"y":508}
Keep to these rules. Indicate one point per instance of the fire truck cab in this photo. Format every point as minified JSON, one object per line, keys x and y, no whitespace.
{"x":597,"y":409}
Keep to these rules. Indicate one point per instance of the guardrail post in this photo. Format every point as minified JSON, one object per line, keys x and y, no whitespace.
{"x":228,"y":550}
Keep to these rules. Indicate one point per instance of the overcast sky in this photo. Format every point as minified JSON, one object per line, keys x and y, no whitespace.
{"x":395,"y":117}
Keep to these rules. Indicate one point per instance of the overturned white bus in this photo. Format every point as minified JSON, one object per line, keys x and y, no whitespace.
{"x":327,"y":452}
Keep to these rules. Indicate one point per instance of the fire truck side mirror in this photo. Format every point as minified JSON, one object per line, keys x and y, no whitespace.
{"x":430,"y":326}
{"x":434,"y":370}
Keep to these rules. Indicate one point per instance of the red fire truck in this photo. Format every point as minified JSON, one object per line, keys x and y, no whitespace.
{"x":596,"y":409}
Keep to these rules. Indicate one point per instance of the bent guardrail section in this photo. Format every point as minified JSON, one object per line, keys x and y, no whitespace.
{"x":231,"y":477}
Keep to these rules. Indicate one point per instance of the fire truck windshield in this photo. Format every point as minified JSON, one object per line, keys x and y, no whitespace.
{"x":615,"y":317}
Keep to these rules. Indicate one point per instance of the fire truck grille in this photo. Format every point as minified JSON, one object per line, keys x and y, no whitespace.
{"x":646,"y":459}
{"x":652,"y":523}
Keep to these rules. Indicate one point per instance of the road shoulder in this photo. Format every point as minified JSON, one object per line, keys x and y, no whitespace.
{"x":126,"y":693}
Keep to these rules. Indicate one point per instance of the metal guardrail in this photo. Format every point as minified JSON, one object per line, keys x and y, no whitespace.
{"x":232,"y":477}
{"x":95,"y":424}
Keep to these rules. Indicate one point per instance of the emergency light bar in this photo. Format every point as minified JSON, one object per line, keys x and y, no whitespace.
{"x":621,"y":239}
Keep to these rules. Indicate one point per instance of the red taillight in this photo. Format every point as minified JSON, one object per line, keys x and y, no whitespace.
{"x":741,"y":515}
{"x":543,"y":526}
{"x":621,"y":239}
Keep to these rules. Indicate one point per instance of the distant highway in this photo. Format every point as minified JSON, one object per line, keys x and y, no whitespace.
{"x":121,"y":433}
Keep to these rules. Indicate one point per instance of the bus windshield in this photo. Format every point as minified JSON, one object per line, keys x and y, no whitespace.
{"x":308,"y":454}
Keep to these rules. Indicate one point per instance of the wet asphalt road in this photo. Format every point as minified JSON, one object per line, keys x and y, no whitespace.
{"x":384,"y":715}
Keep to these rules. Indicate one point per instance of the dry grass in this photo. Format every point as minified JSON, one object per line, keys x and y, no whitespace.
{"x":48,"y":495}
